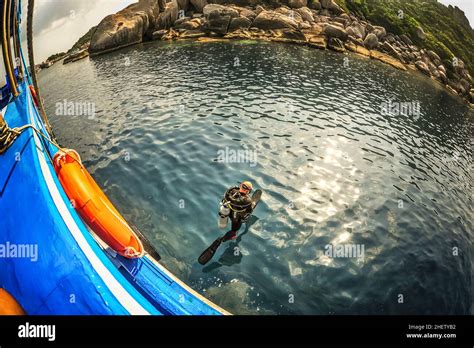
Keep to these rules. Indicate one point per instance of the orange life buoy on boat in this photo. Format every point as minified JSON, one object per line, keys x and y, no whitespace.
{"x":8,"y":305}
{"x":33,"y":94}
{"x":93,"y":205}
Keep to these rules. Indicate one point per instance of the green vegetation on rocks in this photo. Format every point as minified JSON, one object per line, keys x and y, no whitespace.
{"x":447,"y":30}
{"x":86,"y":38}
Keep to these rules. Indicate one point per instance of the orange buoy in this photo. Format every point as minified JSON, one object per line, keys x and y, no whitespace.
{"x":8,"y":305}
{"x":33,"y":94}
{"x":93,"y":205}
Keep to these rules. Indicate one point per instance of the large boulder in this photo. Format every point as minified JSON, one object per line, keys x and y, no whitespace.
{"x":423,"y":67}
{"x":245,"y":12}
{"x":390,"y":38}
{"x":239,"y":23}
{"x":219,"y":17}
{"x":442,"y":76}
{"x":380,"y":32}
{"x":315,"y":5}
{"x":331,"y":6}
{"x":218,"y":23}
{"x":297,"y":3}
{"x":306,"y":14}
{"x":465,"y":84}
{"x":333,"y":31}
{"x":371,"y":41}
{"x":220,"y":9}
{"x":433,"y":69}
{"x":168,"y":17}
{"x":199,"y":4}
{"x":341,"y":20}
{"x":267,"y":20}
{"x":290,"y":35}
{"x":128,"y":26}
{"x":434,"y":57}
{"x":391,"y":50}
{"x":183,"y":5}
{"x":191,"y":24}
{"x":420,"y":33}
{"x":159,"y":34}
{"x":292,"y":14}
{"x":357,"y":30}
{"x":336,"y":44}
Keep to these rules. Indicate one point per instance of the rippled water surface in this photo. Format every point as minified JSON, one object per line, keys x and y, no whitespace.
{"x":333,"y":168}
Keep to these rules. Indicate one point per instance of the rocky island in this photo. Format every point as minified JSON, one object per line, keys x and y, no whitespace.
{"x":338,"y":25}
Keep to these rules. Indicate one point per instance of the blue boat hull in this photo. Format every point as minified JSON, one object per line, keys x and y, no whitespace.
{"x":72,"y":272}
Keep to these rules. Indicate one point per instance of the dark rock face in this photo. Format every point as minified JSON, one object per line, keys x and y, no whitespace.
{"x":168,"y":17}
{"x":126,"y":27}
{"x":315,"y":5}
{"x":297,"y":3}
{"x":239,"y":23}
{"x":336,"y":45}
{"x":331,"y":6}
{"x":219,"y":17}
{"x":199,"y":4}
{"x":218,"y":23}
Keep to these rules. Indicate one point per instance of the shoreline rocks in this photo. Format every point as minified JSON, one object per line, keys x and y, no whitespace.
{"x":127,"y":27}
{"x":316,"y":23}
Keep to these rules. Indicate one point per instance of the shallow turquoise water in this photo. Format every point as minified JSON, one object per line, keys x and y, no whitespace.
{"x":334,"y":168}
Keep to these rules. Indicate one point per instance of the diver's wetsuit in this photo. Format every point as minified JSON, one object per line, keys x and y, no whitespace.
{"x":240,"y":209}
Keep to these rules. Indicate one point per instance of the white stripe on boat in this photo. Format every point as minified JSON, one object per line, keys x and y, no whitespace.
{"x":186,"y":287}
{"x":122,"y":295}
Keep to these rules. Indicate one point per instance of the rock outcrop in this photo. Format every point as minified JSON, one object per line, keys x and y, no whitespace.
{"x":267,"y":20}
{"x":371,"y":41}
{"x":73,"y":57}
{"x":126,"y":27}
{"x":333,"y":31}
{"x":317,"y":23}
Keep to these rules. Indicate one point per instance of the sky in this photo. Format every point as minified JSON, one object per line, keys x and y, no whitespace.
{"x":58,"y":24}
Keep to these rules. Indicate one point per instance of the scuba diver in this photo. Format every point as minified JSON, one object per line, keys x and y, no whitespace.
{"x":236,"y":205}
